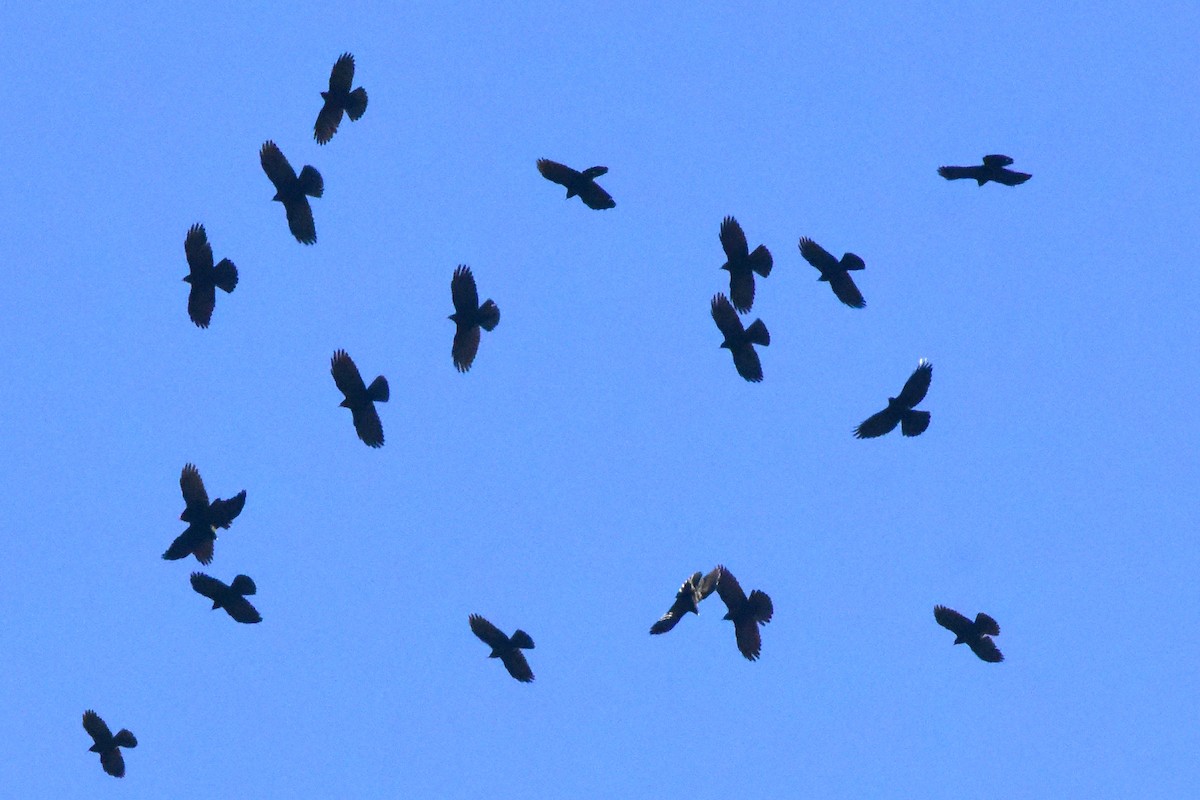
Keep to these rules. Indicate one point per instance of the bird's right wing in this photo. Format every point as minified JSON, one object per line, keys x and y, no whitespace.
{"x":747,"y":362}
{"x":846,"y":290}
{"x":818,"y":256}
{"x":489,"y":633}
{"x":1010,"y":177}
{"x":986,"y":649}
{"x":733,"y":240}
{"x":877,"y":424}
{"x":113,"y":762}
{"x":741,"y":289}
{"x":517,"y":666}
{"x":202,"y":299}
{"x":96,"y":727}
{"x":198,"y":250}
{"x":558,"y":173}
{"x":368,"y":425}
{"x":300,"y":220}
{"x":242,"y":610}
{"x":223,"y":512}
{"x":463,"y":292}
{"x":594,"y":196}
{"x":959,"y":173}
{"x":917,"y":384}
{"x":192,"y":487}
{"x":729,"y":589}
{"x":276,"y":166}
{"x":342,"y":74}
{"x":208,"y":586}
{"x":345,"y":375}
{"x":465,"y":346}
{"x":749,"y":640}
{"x":726,"y":318}
{"x":952,"y":621}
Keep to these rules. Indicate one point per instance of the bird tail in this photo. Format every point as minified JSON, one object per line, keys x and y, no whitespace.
{"x":986,"y":624}
{"x":594,"y":172}
{"x":489,"y":315}
{"x":521,"y":639}
{"x":914,"y":423}
{"x":760,"y":260}
{"x":243,"y":585}
{"x":125,"y":739}
{"x":851,"y":261}
{"x":761,"y":605}
{"x":225,"y":275}
{"x":311,"y":182}
{"x":378,"y":390}
{"x":758,"y":333}
{"x":356,"y":104}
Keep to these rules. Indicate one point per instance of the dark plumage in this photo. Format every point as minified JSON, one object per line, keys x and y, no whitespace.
{"x":203,"y":518}
{"x":694,"y":589}
{"x":107,"y":745}
{"x":742,"y":264}
{"x":578,"y":183}
{"x":746,"y":614}
{"x":993,"y":169}
{"x":293,"y":192}
{"x":468,"y":317}
{"x":339,"y":98}
{"x":834,"y":271}
{"x":232,"y":598}
{"x":360,"y":399}
{"x":740,"y":341}
{"x":204,"y":277}
{"x":900,"y":408}
{"x":507,"y":649}
{"x":976,"y":635}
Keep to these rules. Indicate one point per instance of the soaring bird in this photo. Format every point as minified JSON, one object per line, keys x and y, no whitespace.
{"x":694,"y":589}
{"x":508,"y":650}
{"x":834,"y":271}
{"x":107,"y":745}
{"x":293,"y":192}
{"x":203,"y":518}
{"x":742,"y":264}
{"x":578,"y":183}
{"x":339,"y":98}
{"x":232,"y":598}
{"x":993,"y":169}
{"x":360,"y":399}
{"x":468,"y":317}
{"x":746,"y":614}
{"x":976,"y":635}
{"x":204,"y":277}
{"x":900,"y":408}
{"x":740,"y":341}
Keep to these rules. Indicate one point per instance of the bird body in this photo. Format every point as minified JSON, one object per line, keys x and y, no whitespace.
{"x":741,"y":264}
{"x":293,"y":191}
{"x":339,"y":99}
{"x":507,"y":649}
{"x":746,"y":613}
{"x":360,"y":398}
{"x":232,"y":598}
{"x":900,"y":409}
{"x":835,"y":272}
{"x":107,"y":745}
{"x":468,"y":317}
{"x":740,"y":341}
{"x":992,"y":169}
{"x":977,"y":635}
{"x":203,"y":518}
{"x":578,"y":183}
{"x":203,"y":277}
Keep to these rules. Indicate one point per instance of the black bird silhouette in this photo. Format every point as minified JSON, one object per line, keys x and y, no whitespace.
{"x":204,"y":277}
{"x":900,"y":408}
{"x":742,"y":264}
{"x":360,"y":399}
{"x":835,"y":271}
{"x":746,"y":614}
{"x":740,"y":341}
{"x":694,"y":589}
{"x":232,"y":598}
{"x":976,"y":635}
{"x":468,"y":317}
{"x":293,"y":192}
{"x":578,"y":183}
{"x":339,"y":98}
{"x":107,"y":745}
{"x":203,"y":518}
{"x":508,"y":650}
{"x":993,"y":169}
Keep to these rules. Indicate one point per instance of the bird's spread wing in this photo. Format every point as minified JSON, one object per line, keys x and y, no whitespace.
{"x":193,"y":488}
{"x":1010,"y":177}
{"x":463,"y":291}
{"x":113,"y":762}
{"x":917,"y":384}
{"x":959,"y":173}
{"x":276,"y":166}
{"x":242,"y":610}
{"x":345,"y":375}
{"x":708,"y":584}
{"x":749,"y":640}
{"x":818,"y":256}
{"x":197,"y":539}
{"x":517,"y":666}
{"x":198,"y":250}
{"x":202,"y":299}
{"x":367,"y":424}
{"x":488,"y":632}
{"x":558,"y":173}
{"x":997,"y":160}
{"x":594,"y":196}
{"x":741,"y":289}
{"x":953,"y":621}
{"x":725,"y":317}
{"x":729,"y":589}
{"x":877,"y":424}
{"x":300,"y":220}
{"x":328,"y":119}
{"x":733,"y":240}
{"x":684,"y":600}
{"x":208,"y":586}
{"x":747,"y":362}
{"x":96,"y":727}
{"x":224,"y":512}
{"x":342,"y":74}
{"x":844,"y":287}
{"x":986,"y":649}
{"x":465,"y":346}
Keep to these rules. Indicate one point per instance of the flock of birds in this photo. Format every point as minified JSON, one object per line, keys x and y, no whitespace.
{"x":746,"y":612}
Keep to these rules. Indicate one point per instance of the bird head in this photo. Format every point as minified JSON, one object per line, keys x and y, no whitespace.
{"x":277,"y":198}
{"x":187,"y":278}
{"x":345,"y":403}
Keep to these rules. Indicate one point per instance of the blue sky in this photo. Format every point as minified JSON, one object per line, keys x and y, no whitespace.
{"x":603,"y":448}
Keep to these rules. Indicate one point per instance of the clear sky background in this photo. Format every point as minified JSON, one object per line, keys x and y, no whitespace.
{"x":603,"y":448}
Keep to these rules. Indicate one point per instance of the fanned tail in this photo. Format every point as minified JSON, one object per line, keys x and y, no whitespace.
{"x":489,"y":315}
{"x":760,"y":260}
{"x":758,"y":333}
{"x":356,"y":104}
{"x":521,"y":639}
{"x":378,"y":390}
{"x":243,"y":585}
{"x":311,"y":182}
{"x":225,"y":275}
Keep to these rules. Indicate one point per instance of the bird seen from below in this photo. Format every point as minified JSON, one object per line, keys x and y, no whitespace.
{"x":687,"y":599}
{"x":204,"y":278}
{"x":976,"y":635}
{"x":992,"y":169}
{"x":578,"y":183}
{"x":339,"y":99}
{"x":507,"y":649}
{"x":742,"y":264}
{"x":834,"y":271}
{"x":107,"y":745}
{"x":232,"y":598}
{"x":293,"y":192}
{"x":740,"y":341}
{"x":900,"y":408}
{"x":746,"y":614}
{"x":468,"y":317}
{"x":203,"y":518}
{"x":360,"y":399}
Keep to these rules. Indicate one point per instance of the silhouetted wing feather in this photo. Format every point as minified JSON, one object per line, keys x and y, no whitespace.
{"x":276,"y":166}
{"x":746,"y":360}
{"x":198,"y":250}
{"x":558,"y":173}
{"x":242,"y":610}
{"x":1011,"y":177}
{"x":668,"y":620}
{"x":741,"y":289}
{"x":197,"y":539}
{"x":368,"y":425}
{"x":202,"y":299}
{"x":733,"y":240}
{"x":514,"y":661}
{"x":877,"y":424}
{"x":818,"y":256}
{"x":328,"y":120}
{"x":959,"y":173}
{"x":986,"y":649}
{"x":917,"y":384}
{"x":726,"y":318}
{"x":463,"y":291}
{"x":345,"y":375}
{"x":489,"y":633}
{"x":594,"y":196}
{"x":113,"y":762}
{"x":953,"y":621}
{"x":749,"y":640}
{"x":224,"y":512}
{"x":465,"y":346}
{"x":208,"y":586}
{"x":844,"y":287}
{"x":192,"y":487}
{"x":708,"y":584}
{"x":96,"y":727}
{"x":300,"y":220}
{"x":761,"y":606}
{"x":342,"y":74}
{"x":730,"y":590}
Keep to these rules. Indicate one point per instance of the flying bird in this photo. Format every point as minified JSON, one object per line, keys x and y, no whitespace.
{"x":293,"y":192}
{"x":508,"y":650}
{"x":468,"y":317}
{"x":578,"y":183}
{"x":834,"y":271}
{"x":993,"y":169}
{"x":746,"y":614}
{"x":204,"y":277}
{"x":740,"y":341}
{"x":107,"y":745}
{"x":360,"y":399}
{"x":203,"y":518}
{"x":976,"y":635}
{"x":694,"y":589}
{"x":339,"y":98}
{"x":742,"y":264}
{"x":232,"y":598}
{"x":900,"y":408}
